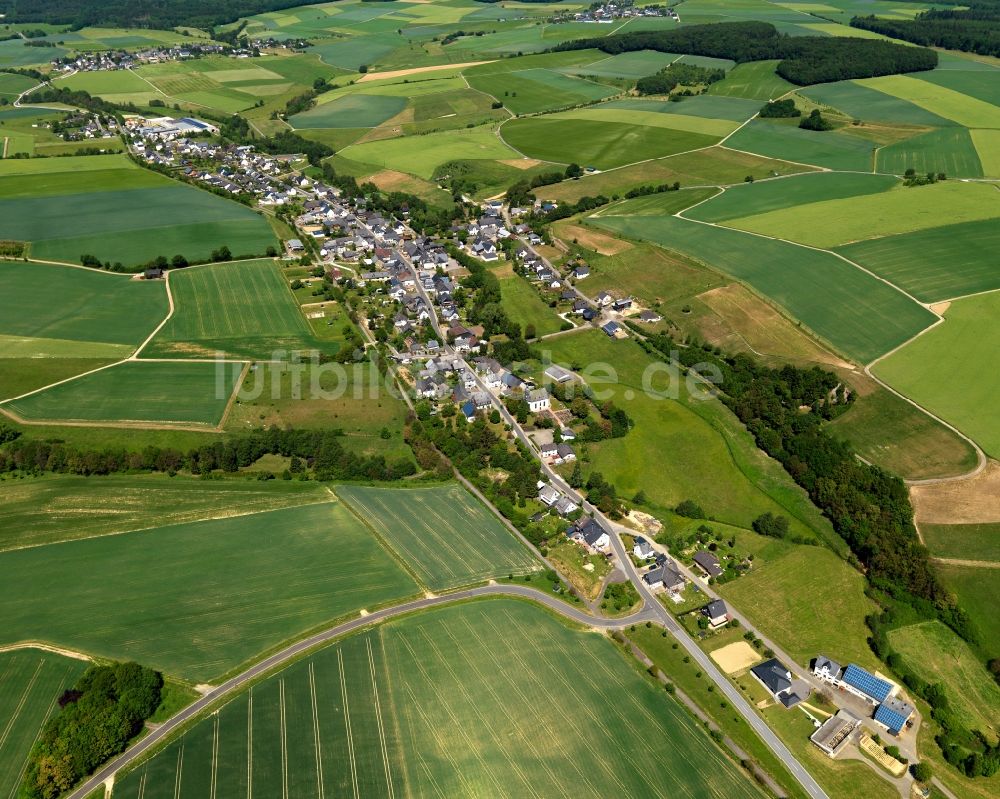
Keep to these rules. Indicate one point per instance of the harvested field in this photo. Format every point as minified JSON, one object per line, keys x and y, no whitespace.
{"x":594,"y":240}
{"x":970,"y":501}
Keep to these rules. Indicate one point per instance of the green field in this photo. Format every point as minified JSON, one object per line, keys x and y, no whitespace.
{"x":870,"y":105}
{"x":714,"y":462}
{"x":978,"y":591}
{"x":775,"y":195}
{"x":598,"y":143}
{"x":963,"y":541}
{"x":636,"y":64}
{"x":889,"y":432}
{"x":530,"y":91}
{"x":948,"y":369}
{"x":245,"y":310}
{"x":141,"y":392}
{"x":715,"y":165}
{"x":831,"y":149}
{"x":937,"y":263}
{"x":422,"y":156}
{"x":44,"y":510}
{"x":756,"y":80}
{"x":964,"y":109}
{"x":931,"y":648}
{"x":110,"y":208}
{"x":834,"y":222}
{"x":781,"y":598}
{"x":198,"y":599}
{"x":12,"y":84}
{"x":858,"y":314}
{"x":419,"y":707}
{"x":947,"y":150}
{"x":351,"y":111}
{"x":31,"y":682}
{"x":63,"y":311}
{"x":704,"y":106}
{"x":524,"y":305}
{"x":445,"y":536}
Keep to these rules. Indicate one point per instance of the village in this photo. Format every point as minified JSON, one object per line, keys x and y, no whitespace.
{"x":610,"y":12}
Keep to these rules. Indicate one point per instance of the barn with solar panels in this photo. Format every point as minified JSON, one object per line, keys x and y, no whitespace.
{"x":866,"y":685}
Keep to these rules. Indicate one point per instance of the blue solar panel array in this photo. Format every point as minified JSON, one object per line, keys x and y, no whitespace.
{"x":869,"y":684}
{"x":890,"y":718}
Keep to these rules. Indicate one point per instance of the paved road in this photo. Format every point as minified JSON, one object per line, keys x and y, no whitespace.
{"x":290,"y":652}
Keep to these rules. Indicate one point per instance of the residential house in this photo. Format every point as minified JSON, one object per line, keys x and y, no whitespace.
{"x":777,"y":679}
{"x":590,"y":533}
{"x":826,"y":669}
{"x":665,"y":576}
{"x":717,"y":613}
{"x":581,"y":271}
{"x":707,"y":563}
{"x":650,"y":317}
{"x":642,"y":549}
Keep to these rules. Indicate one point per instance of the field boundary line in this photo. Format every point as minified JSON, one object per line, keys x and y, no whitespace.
{"x":320,"y":788}
{"x":27,"y":757}
{"x":250,"y":743}
{"x":215,"y":754}
{"x":972,"y":564}
{"x":378,"y":717}
{"x":347,"y":723}
{"x":179,"y":770}
{"x":59,"y":383}
{"x":69,"y":653}
{"x":20,"y":705}
{"x":393,"y":553}
{"x":284,"y":737}
{"x":237,"y":385}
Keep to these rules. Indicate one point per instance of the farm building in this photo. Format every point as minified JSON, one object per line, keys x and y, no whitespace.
{"x":835,"y":733}
{"x":865,"y":685}
{"x":893,"y":714}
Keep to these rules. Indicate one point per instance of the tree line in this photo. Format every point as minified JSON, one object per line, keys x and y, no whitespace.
{"x":138,"y":13}
{"x":973,"y":30}
{"x":320,"y":450}
{"x":803,"y":60}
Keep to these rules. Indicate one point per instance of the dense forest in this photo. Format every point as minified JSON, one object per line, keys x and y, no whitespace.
{"x":163,"y":14}
{"x":974,"y":30}
{"x":804,"y":60}
{"x":98,"y":717}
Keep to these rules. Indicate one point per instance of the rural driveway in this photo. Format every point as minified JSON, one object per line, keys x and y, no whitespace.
{"x":288,"y":653}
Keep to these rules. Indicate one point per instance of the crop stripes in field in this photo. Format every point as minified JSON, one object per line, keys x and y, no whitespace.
{"x":284,"y":738}
{"x":20,"y":705}
{"x":598,"y":723}
{"x":347,"y":724}
{"x":430,"y":726}
{"x":320,"y":789}
{"x":484,"y":722}
{"x":378,"y":717}
{"x":178,"y":772}
{"x":516,"y":689}
{"x":215,"y":754}
{"x":250,"y":744}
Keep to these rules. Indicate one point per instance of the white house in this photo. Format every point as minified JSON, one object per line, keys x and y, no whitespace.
{"x":538,"y":400}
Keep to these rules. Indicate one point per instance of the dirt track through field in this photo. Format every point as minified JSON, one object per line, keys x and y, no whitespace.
{"x":403,"y":73}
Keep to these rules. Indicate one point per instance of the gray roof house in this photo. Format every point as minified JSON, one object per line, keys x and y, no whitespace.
{"x":776,"y":678}
{"x":708,"y":563}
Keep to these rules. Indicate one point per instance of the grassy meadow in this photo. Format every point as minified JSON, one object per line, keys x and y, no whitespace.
{"x":420,"y":709}
{"x":931,"y":648}
{"x":198,"y":599}
{"x":713,"y":461}
{"x":443,"y":535}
